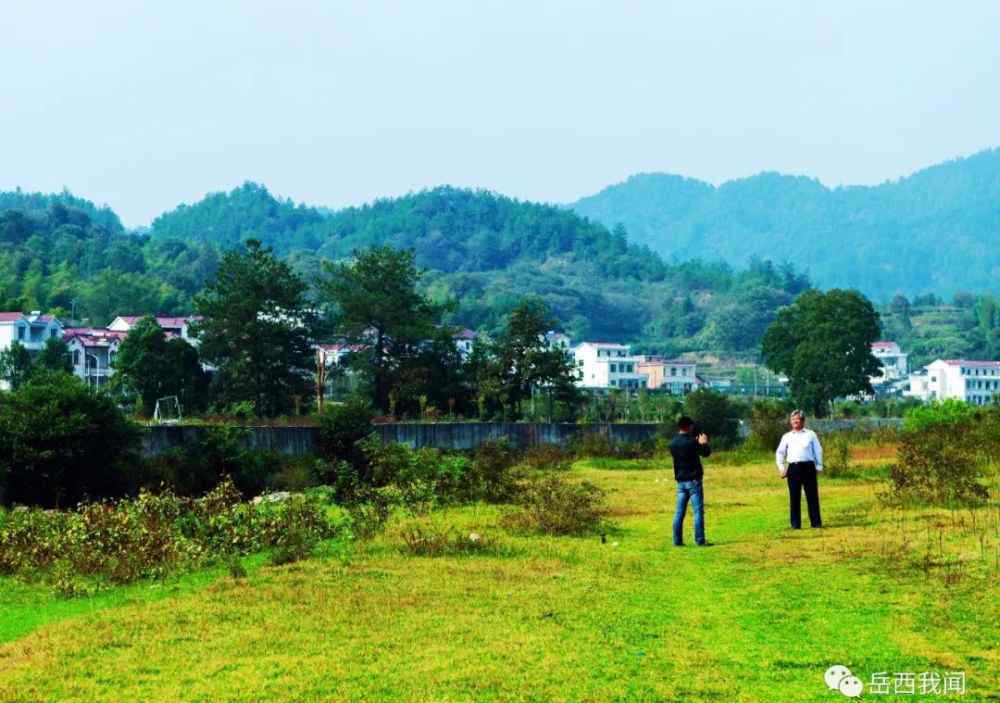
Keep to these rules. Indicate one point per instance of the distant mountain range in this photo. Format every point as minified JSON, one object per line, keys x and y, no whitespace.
{"x":936,"y":231}
{"x":481,"y":250}
{"x":673,"y":264}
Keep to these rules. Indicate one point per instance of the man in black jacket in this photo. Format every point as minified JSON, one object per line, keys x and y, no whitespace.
{"x":687,"y":452}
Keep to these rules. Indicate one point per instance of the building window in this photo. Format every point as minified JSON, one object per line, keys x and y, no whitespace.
{"x":76,"y":357}
{"x":614,"y":368}
{"x":20,"y":333}
{"x":673,"y":370}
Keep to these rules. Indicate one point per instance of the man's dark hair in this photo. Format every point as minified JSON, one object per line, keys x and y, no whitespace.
{"x":685,"y":423}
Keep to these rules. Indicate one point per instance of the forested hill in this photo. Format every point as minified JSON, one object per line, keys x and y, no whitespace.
{"x":485,"y":251}
{"x":935,"y":231}
{"x":481,"y":250}
{"x":248,"y":212}
{"x":64,"y":255}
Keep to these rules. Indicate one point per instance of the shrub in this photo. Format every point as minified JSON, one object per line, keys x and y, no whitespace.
{"x":944,"y":412}
{"x":715,"y":415}
{"x":341,"y":428}
{"x":298,"y":474}
{"x":596,"y":445}
{"x":495,"y":472}
{"x":61,"y":443}
{"x":154,"y":535}
{"x":837,"y":455}
{"x":425,"y":477}
{"x":555,"y":506}
{"x":768,"y":420}
{"x":548,"y":456}
{"x":942,"y":462}
{"x":218,"y":453}
{"x":368,"y":517}
{"x":294,"y":528}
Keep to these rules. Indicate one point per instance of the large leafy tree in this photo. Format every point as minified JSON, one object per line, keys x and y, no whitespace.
{"x":60,"y":443}
{"x":518,"y":362}
{"x":151,"y":367}
{"x":375,"y":305}
{"x":256,"y":328}
{"x":822,"y":342}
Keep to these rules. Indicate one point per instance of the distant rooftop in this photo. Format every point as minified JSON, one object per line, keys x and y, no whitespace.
{"x":972,"y":362}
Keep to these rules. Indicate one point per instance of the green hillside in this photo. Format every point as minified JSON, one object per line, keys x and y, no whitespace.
{"x":486,"y":251}
{"x":62,"y":254}
{"x":935,"y":231}
{"x":480,"y":250}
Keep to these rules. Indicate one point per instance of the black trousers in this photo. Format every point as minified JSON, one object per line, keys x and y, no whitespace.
{"x":802,"y":476}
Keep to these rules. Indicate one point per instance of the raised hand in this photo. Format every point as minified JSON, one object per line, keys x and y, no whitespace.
{"x":703,"y":438}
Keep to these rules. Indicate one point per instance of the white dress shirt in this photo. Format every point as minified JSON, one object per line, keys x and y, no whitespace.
{"x":799,"y":445}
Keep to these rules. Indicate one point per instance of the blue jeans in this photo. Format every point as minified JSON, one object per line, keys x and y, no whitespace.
{"x":689,"y":490}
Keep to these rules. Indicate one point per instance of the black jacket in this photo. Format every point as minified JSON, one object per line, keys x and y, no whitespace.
{"x":687,"y":455}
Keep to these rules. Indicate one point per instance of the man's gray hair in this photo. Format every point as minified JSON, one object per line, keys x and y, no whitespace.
{"x":798,"y":413}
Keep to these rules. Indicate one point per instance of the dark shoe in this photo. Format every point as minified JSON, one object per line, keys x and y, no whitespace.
{"x":706,"y":544}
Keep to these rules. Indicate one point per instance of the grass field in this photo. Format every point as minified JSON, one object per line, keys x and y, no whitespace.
{"x":758,"y":617}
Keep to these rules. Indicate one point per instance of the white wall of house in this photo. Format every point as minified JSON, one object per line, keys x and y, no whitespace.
{"x":32,"y":331}
{"x":893,"y":360}
{"x":93,"y":360}
{"x":607,"y":365}
{"x":178,"y":325}
{"x":971,"y":380}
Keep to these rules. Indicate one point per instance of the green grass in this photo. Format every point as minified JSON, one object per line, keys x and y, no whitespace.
{"x":758,"y":617}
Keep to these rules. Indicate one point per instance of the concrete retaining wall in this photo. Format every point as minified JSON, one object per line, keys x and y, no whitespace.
{"x":446,"y":435}
{"x":465,"y":435}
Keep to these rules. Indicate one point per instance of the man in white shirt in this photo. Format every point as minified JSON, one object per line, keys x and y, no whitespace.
{"x":800,"y":458}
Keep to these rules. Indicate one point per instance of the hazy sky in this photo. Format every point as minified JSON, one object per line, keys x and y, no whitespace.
{"x":143,"y":105}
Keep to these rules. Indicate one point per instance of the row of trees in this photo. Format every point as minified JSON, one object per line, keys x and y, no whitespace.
{"x":257,"y":329}
{"x":258,"y":325}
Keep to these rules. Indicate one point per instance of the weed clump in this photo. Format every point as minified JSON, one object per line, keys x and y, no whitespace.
{"x":425,"y":537}
{"x":552,"y":505}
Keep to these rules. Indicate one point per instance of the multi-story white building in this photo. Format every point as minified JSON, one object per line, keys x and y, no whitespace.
{"x":607,"y":365}
{"x":893,"y":361}
{"x":974,"y":381}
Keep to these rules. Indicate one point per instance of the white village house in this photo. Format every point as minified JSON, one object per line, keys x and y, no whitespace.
{"x":893,"y":361}
{"x":607,"y":365}
{"x":971,"y":380}
{"x":92,"y":353}
{"x":92,"y":350}
{"x":675,"y":376}
{"x":174,"y":326}
{"x":29,"y":330}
